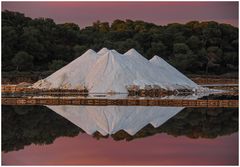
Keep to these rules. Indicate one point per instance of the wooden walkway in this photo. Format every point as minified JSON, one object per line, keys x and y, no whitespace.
{"x":219,"y":85}
{"x":122,"y":102}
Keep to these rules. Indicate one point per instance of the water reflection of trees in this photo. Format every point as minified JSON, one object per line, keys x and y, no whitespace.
{"x":193,"y":123}
{"x":24,"y":125}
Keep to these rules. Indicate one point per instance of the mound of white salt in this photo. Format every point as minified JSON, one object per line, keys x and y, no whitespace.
{"x":109,"y":71}
{"x":175,"y":76}
{"x":113,"y":72}
{"x":71,"y":76}
{"x":110,"y":74}
{"x":148,"y":75}
{"x":102,"y":51}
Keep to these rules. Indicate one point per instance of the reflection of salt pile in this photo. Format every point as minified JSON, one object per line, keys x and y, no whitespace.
{"x":109,"y":71}
{"x":110,"y":119}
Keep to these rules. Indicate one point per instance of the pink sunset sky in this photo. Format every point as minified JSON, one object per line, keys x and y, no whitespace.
{"x":162,"y":13}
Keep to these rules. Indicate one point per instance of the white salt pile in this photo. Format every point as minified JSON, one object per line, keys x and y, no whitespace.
{"x":110,"y":74}
{"x":109,"y":71}
{"x":71,"y":76}
{"x":108,"y":120}
{"x":102,"y":51}
{"x":176,"y":77}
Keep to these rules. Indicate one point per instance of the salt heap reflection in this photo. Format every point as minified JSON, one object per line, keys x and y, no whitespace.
{"x":108,"y":120}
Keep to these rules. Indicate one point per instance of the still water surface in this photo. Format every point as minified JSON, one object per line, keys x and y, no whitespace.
{"x":119,"y":135}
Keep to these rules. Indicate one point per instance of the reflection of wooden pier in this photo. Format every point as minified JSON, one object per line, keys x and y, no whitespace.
{"x":123,"y":102}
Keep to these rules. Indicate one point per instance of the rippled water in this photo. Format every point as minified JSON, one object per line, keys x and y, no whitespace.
{"x":119,"y":135}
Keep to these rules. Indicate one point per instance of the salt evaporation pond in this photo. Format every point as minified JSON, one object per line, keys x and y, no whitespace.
{"x":118,"y":135}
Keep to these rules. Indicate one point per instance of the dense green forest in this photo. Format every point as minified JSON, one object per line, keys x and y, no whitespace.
{"x":42,"y":45}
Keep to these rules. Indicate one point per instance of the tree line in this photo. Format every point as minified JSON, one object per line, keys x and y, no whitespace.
{"x":42,"y":45}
